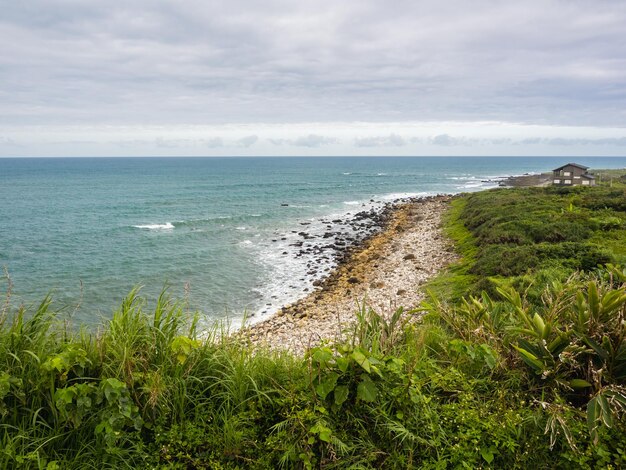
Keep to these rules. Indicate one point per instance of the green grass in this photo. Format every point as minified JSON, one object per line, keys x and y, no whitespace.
{"x":520,"y":236}
{"x":516,"y":369}
{"x":456,"y":281}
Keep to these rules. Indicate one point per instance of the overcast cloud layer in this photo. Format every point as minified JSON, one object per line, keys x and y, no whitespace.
{"x":324,"y":78}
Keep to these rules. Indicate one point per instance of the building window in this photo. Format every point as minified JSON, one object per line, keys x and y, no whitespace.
{"x":567,"y":173}
{"x":586,"y":182}
{"x":567,"y":181}
{"x":557,"y":181}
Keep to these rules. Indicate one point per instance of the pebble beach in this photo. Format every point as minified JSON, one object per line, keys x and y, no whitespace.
{"x":384,"y":272}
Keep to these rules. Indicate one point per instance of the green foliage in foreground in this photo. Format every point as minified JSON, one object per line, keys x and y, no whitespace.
{"x":528,"y":372}
{"x":487,"y":384}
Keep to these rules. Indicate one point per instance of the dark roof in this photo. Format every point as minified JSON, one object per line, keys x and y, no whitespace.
{"x":588,"y":176}
{"x":582,"y":167}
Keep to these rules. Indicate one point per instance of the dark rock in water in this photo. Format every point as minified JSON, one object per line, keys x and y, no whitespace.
{"x":336,"y":221}
{"x":409,"y":256}
{"x":284,"y":205}
{"x":317,"y":283}
{"x":305,"y":223}
{"x":354,"y":280}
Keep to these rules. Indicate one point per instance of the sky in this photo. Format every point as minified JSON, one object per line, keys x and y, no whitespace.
{"x":349,"y":77}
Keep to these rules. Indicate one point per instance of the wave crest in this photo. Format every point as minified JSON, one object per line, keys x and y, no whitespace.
{"x":165,"y":226}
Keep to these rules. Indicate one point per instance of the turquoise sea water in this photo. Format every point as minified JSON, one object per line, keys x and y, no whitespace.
{"x":89,"y":229}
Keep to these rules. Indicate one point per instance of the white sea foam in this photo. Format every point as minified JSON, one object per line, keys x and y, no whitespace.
{"x":394,"y":196}
{"x":477,"y":184}
{"x":291,"y":277}
{"x":462,"y":177}
{"x":166,"y":226}
{"x":241,"y":228}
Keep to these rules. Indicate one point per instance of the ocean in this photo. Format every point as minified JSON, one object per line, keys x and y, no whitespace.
{"x":224,"y":234}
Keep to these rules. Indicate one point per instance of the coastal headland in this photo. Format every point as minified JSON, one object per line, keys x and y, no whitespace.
{"x":383,"y":272}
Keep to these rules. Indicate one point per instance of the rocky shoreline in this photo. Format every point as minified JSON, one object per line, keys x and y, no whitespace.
{"x":521,"y":181}
{"x":541,"y":179}
{"x":327,"y":242}
{"x":401,"y":248}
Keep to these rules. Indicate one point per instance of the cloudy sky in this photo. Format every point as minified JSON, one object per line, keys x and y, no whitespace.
{"x":349,"y":77}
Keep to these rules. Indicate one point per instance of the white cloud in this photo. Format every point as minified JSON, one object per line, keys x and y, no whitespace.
{"x":215,"y":142}
{"x":247,"y":141}
{"x":208,"y":63}
{"x":316,"y":138}
{"x":391,"y":140}
{"x":446,"y":140}
{"x":310,"y":140}
{"x":313,"y":140}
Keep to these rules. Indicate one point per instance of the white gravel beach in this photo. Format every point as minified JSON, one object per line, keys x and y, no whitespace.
{"x":385,"y":272}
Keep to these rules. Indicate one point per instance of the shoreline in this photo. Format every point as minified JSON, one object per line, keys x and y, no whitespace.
{"x":385,"y":270}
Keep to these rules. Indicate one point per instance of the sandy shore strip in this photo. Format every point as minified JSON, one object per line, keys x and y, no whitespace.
{"x":387,"y":271}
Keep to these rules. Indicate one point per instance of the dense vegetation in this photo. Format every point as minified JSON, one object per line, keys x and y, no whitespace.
{"x":519,"y":362}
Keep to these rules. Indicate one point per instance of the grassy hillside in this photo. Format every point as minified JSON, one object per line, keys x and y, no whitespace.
{"x":519,"y":362}
{"x":527,"y":237}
